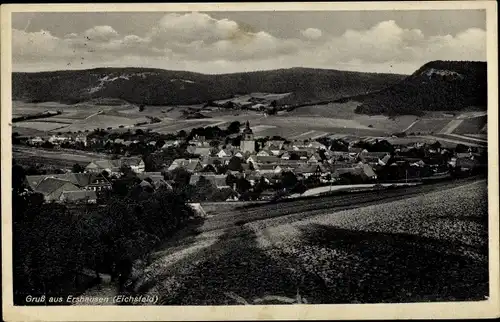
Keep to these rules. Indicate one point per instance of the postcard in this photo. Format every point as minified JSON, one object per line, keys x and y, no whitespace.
{"x":250,"y":161}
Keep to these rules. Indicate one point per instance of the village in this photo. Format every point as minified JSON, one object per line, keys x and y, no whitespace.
{"x":210,"y":164}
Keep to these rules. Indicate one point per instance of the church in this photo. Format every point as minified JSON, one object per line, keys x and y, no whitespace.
{"x":247,"y":141}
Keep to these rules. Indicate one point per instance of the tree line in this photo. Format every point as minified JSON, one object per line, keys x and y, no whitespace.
{"x":53,"y":243}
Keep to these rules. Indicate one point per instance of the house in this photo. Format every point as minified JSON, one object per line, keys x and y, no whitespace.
{"x":268,"y":168}
{"x":86,"y":181}
{"x":296,"y":154}
{"x":373,"y":158}
{"x":78,"y":196}
{"x":202,"y":152}
{"x":309,"y":170}
{"x":136,"y":164}
{"x":199,"y":141}
{"x":171,"y":143}
{"x":340,"y":155}
{"x":385,"y":160}
{"x":264,"y":153}
{"x":224,"y":153}
{"x":82,"y":138}
{"x":316,"y":145}
{"x":191,"y":165}
{"x":314,"y":159}
{"x":275,"y":144}
{"x":215,"y":161}
{"x":52,"y":188}
{"x":364,"y":171}
{"x":36,"y":141}
{"x":119,"y":141}
{"x":218,"y":180}
{"x":191,"y":148}
{"x":355,"y":150}
{"x":255,"y":159}
{"x":57,"y":139}
{"x":466,"y":164}
{"x":156,"y":179}
{"x":98,"y":166}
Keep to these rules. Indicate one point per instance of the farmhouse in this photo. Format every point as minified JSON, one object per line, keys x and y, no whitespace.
{"x":86,"y":181}
{"x":191,"y":165}
{"x":52,"y":188}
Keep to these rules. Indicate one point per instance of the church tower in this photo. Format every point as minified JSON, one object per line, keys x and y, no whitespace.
{"x":247,"y":141}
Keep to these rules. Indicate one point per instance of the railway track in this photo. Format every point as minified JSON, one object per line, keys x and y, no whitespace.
{"x":304,"y":208}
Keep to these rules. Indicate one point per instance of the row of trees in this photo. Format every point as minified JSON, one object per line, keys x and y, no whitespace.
{"x":53,"y":243}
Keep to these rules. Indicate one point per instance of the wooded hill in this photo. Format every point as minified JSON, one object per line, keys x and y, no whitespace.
{"x":436,"y":86}
{"x":165,"y":87}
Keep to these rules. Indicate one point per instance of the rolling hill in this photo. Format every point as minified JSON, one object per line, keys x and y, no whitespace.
{"x":165,"y":87}
{"x":436,"y":86}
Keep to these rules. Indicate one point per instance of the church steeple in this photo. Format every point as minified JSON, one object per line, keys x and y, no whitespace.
{"x":247,"y":129}
{"x":247,"y":142}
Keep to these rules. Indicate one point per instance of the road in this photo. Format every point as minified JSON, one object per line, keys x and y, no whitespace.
{"x":425,"y":243}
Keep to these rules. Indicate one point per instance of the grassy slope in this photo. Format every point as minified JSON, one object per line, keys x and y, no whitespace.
{"x":427,"y":248}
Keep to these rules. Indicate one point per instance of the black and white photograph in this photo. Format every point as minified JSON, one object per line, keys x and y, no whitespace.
{"x":251,"y":158}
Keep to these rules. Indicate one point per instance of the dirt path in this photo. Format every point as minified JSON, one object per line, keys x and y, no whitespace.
{"x":450,"y":127}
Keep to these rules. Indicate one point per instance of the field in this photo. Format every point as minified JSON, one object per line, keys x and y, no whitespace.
{"x":63,"y":157}
{"x":345,"y":111}
{"x":335,"y":256}
{"x":471,"y":125}
{"x":40,"y":126}
{"x":103,"y":121}
{"x":426,"y":126}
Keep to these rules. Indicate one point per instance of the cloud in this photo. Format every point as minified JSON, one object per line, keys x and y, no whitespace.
{"x":101,"y":33}
{"x":311,"y":33}
{"x":198,"y":42}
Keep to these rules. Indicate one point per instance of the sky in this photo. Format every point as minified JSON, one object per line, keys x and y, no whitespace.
{"x":225,"y":42}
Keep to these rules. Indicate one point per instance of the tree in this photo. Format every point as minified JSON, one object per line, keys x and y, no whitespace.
{"x":234,"y":127}
{"x":141,"y":107}
{"x":47,"y":145}
{"x":294,"y":156}
{"x":181,"y":177}
{"x":214,"y":143}
{"x":126,"y":170}
{"x":243,"y":185}
{"x":235,"y":164}
{"x":288,"y":180}
{"x":300,"y":188}
{"x":272,"y":111}
{"x":77,"y":168}
{"x":461,"y":148}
